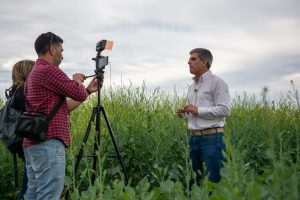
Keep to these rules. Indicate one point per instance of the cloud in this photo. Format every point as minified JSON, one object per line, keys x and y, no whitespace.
{"x":254,"y":43}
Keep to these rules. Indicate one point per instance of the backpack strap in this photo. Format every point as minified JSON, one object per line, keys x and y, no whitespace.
{"x":10,"y":92}
{"x":7,"y":91}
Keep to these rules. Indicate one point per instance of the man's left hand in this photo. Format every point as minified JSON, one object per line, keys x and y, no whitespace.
{"x":93,"y":85}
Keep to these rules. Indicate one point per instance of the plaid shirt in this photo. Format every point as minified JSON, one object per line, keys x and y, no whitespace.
{"x":44,"y":88}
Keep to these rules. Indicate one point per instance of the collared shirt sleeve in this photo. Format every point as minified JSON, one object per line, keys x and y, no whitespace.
{"x":221,"y":99}
{"x":59,"y":82}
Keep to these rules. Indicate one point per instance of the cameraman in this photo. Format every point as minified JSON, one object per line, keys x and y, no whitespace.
{"x":45,"y":86}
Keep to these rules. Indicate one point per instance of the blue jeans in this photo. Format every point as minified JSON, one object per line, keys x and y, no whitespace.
{"x":45,"y":164}
{"x":207,"y":149}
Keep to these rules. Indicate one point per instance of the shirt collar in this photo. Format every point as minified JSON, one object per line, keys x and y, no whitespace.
{"x":204,"y":76}
{"x":41,"y":61}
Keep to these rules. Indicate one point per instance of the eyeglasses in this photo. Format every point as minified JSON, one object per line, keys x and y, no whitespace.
{"x":51,"y":39}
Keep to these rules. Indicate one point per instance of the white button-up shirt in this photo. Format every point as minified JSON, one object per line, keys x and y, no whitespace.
{"x":211,"y":95}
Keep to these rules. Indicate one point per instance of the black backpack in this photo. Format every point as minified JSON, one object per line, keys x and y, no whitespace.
{"x":8,"y":119}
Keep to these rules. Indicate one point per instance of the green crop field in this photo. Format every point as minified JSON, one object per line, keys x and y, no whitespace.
{"x":262,"y":150}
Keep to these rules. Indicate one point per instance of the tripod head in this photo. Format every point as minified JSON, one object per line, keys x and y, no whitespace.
{"x":101,"y":62}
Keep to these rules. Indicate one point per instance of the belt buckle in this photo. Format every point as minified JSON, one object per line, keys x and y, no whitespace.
{"x":198,"y":132}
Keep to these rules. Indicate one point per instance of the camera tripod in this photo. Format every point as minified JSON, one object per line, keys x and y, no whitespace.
{"x":97,"y":110}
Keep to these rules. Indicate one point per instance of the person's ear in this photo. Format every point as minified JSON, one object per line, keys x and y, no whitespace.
{"x":51,"y":49}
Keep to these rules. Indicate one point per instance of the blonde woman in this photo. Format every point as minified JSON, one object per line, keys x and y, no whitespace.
{"x":20,"y":72}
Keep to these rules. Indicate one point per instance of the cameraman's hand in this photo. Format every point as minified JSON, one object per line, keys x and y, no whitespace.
{"x":79,"y":77}
{"x":93,"y":85}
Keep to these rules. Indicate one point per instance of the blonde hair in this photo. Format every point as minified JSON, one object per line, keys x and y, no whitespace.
{"x":20,"y":72}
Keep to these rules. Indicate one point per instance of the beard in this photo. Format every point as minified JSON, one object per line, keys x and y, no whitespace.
{"x":56,"y":61}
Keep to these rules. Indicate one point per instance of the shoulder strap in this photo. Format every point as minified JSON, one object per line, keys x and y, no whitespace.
{"x":7,"y":91}
{"x":9,"y":102}
{"x":10,"y":92}
{"x":56,"y":108}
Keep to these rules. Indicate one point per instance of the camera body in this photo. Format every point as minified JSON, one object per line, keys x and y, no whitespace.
{"x":101,"y":62}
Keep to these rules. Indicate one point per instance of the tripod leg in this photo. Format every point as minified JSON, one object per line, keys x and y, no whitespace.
{"x":96,"y":144}
{"x":86,"y":135}
{"x":85,"y":138}
{"x":115,"y":144}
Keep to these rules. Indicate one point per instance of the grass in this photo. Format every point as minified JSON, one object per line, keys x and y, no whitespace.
{"x":262,"y":150}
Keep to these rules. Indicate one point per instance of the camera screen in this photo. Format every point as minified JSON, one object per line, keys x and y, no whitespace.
{"x":102,"y":62}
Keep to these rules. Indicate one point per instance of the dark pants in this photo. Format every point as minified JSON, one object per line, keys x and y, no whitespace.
{"x":24,"y":185}
{"x":207,"y":149}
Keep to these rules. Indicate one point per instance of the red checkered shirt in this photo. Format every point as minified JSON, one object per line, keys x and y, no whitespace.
{"x":44,"y":88}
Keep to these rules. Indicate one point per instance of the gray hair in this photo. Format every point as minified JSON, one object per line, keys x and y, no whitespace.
{"x":204,"y":54}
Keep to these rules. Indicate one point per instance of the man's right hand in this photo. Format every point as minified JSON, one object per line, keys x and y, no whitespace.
{"x":180,"y":112}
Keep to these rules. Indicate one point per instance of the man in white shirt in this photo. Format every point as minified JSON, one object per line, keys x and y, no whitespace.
{"x":208,"y":103}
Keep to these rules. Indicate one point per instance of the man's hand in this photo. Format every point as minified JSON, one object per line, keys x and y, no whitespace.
{"x":93,"y":85}
{"x":180,"y":112}
{"x":79,"y":77}
{"x":191,"y":109}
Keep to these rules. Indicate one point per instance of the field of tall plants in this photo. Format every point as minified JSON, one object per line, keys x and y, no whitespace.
{"x":262,"y":150}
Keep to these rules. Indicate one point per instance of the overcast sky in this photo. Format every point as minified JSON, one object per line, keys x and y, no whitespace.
{"x":255,"y":43}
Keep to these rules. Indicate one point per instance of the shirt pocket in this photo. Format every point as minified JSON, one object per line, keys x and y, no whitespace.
{"x":205,"y":96}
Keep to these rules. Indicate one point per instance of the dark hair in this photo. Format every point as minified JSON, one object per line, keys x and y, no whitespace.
{"x":204,"y":54}
{"x":44,"y":41}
